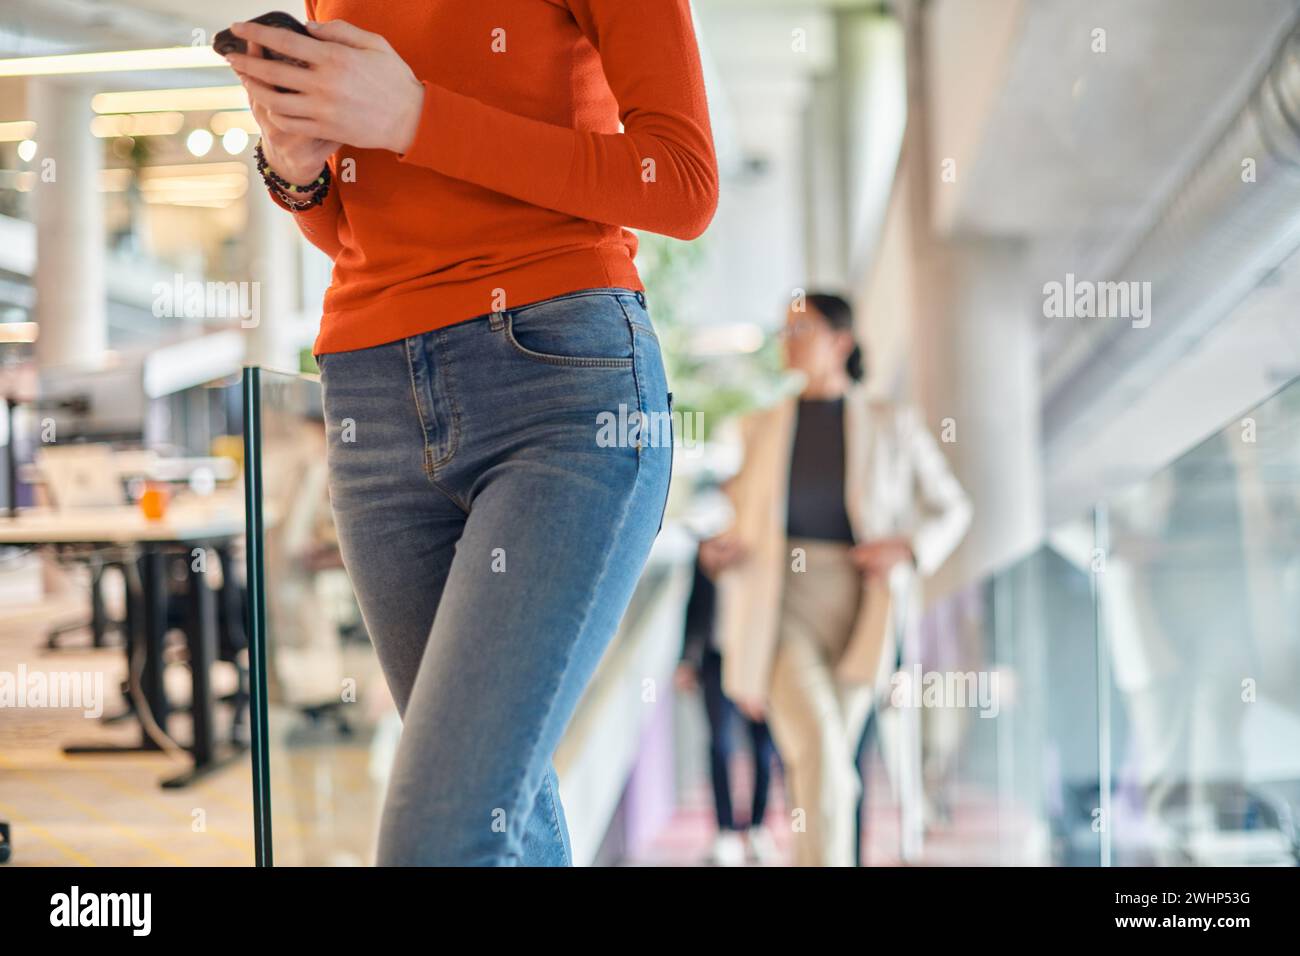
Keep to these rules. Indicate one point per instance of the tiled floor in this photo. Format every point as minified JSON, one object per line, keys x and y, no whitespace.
{"x":970,"y":837}
{"x":105,"y":810}
{"x":110,"y":810}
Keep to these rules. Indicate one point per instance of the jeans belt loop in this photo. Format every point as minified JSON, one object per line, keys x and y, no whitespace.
{"x":497,"y":321}
{"x":640,"y":299}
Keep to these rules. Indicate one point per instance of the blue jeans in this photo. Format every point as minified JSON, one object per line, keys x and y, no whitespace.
{"x":494,"y":524}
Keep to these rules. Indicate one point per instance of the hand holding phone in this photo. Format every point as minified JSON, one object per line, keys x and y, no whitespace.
{"x":226,"y":42}
{"x":295,"y":157}
{"x":355,"y":89}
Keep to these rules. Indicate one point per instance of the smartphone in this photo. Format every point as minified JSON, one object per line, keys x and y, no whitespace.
{"x":226,"y":42}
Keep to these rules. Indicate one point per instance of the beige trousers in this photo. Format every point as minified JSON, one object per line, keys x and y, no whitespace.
{"x":817,"y":721}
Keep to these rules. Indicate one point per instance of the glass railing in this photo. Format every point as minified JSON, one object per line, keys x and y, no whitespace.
{"x":324,"y":727}
{"x":1141,"y":674}
{"x":1128,"y":694}
{"x":1200,"y":611}
{"x":1006,"y":684}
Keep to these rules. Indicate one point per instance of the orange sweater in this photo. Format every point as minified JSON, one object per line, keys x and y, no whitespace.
{"x":518,"y":183}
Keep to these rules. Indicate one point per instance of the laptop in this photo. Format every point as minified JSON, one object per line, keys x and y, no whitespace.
{"x":80,"y":476}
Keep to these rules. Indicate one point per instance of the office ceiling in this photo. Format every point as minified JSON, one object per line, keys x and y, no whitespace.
{"x":33,"y":28}
{"x":1081,"y":147}
{"x":1077,"y":153}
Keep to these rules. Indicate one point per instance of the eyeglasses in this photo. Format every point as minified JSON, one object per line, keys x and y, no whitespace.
{"x":798,"y":328}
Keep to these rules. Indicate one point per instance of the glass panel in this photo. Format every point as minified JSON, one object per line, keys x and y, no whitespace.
{"x":1010,"y":743}
{"x":1201,"y":607}
{"x":1186,"y":751}
{"x":330,"y":725}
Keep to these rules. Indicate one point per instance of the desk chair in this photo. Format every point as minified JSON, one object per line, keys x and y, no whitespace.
{"x":83,"y":476}
{"x":100,"y":624}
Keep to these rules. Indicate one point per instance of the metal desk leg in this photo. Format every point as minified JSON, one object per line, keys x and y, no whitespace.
{"x":230,"y":629}
{"x":153,"y":573}
{"x":201,"y":637}
{"x":150,"y":630}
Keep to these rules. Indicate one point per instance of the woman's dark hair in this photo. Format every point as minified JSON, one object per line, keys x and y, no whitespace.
{"x":839,"y":316}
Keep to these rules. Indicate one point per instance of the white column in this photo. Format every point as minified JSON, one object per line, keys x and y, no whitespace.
{"x":270,"y":232}
{"x":975,"y":375}
{"x":974,"y":357}
{"x":872,"y":82}
{"x":827,"y":247}
{"x":71,"y":304}
{"x":760,"y":224}
{"x":974,"y":372}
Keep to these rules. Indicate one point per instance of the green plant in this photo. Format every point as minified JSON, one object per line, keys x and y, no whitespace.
{"x":719,"y":386}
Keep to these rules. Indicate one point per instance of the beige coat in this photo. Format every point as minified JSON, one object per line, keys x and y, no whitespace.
{"x":897,"y":482}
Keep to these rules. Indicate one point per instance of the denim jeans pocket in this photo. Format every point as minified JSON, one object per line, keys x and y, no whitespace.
{"x":586,"y":330}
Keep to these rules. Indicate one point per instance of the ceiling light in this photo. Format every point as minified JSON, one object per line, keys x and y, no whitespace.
{"x":26,"y":150}
{"x":17,"y":333}
{"x":234,"y":141}
{"x":221,"y":123}
{"x":137,"y":124}
{"x":113,"y":61}
{"x":195,"y":192}
{"x":183,"y":170}
{"x":235,"y":184}
{"x":199,"y":142}
{"x":184,"y":100}
{"x":17,"y":131}
{"x":229,"y":177}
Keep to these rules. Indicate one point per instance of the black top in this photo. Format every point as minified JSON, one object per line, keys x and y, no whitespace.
{"x":701,"y":618}
{"x":816,"y":505}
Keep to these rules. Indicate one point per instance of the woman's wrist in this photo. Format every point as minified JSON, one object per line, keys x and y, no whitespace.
{"x":288,"y":172}
{"x":409,"y":115}
{"x":301,"y":179}
{"x":298,"y":198}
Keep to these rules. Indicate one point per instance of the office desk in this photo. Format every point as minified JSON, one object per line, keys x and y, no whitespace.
{"x":216,"y":517}
{"x":211,"y":523}
{"x":144,"y":464}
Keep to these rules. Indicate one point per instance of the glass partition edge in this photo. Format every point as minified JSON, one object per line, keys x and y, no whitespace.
{"x":256,"y":623}
{"x":1101,"y":541}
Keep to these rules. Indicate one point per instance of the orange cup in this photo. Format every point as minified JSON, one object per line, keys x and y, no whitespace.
{"x":154,"y":501}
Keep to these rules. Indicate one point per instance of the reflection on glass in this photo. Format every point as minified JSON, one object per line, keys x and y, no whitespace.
{"x":331,"y":725}
{"x":1128,"y":694}
{"x":1199,"y":605}
{"x":1010,"y":746}
{"x":1147,"y":666}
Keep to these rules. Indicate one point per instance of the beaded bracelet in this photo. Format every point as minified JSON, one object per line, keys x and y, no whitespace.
{"x":287,"y":191}
{"x":296,"y":205}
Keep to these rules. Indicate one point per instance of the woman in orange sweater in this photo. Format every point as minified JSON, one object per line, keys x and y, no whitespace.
{"x":464,"y":167}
